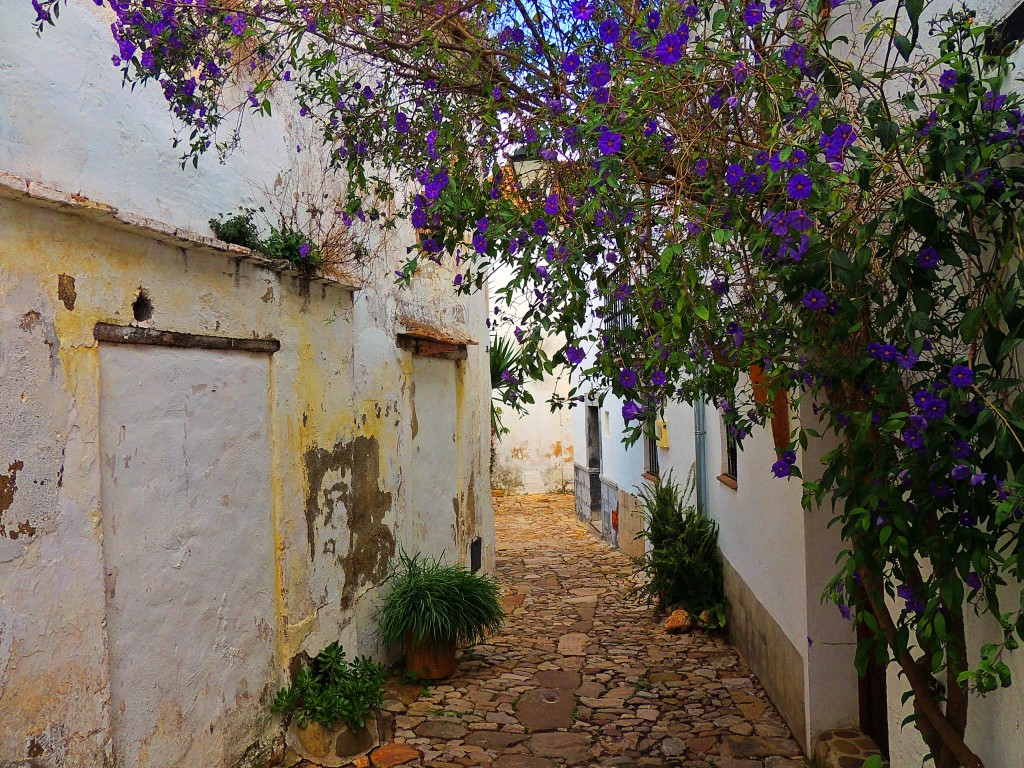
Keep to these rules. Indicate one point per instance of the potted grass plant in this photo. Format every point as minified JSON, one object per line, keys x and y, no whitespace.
{"x":433,"y":608}
{"x":332,"y":707}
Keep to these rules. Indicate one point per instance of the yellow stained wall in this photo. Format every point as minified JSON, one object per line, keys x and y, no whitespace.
{"x":340,"y":422}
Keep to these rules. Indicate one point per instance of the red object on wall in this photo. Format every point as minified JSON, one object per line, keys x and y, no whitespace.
{"x":615,"y":519}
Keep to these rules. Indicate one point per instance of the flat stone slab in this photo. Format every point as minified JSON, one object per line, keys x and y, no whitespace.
{"x":758,"y":746}
{"x":434,"y":729}
{"x":558,"y":678}
{"x":523,"y":761}
{"x":391,"y":755}
{"x":571,"y":747}
{"x":496,"y":740}
{"x":573,"y":644}
{"x":546,"y":709}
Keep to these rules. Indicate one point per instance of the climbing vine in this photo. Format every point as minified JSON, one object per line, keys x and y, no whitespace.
{"x":686,"y":191}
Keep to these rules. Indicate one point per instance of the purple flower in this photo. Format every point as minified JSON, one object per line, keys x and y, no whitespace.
{"x":608,"y":31}
{"x":669,"y":50}
{"x":627,"y":378}
{"x":551,"y":205}
{"x":936,"y":408}
{"x":480,"y":243}
{"x":753,"y":14}
{"x":419,"y":218}
{"x":978,"y":478}
{"x":653,"y":20}
{"x":940,"y":490}
{"x":715,"y":100}
{"x":928,"y":258}
{"x":734,"y":175}
{"x":814,"y":300}
{"x":799,"y":187}
{"x":482,"y":225}
{"x":948,"y":79}
{"x":631,"y":411}
{"x":913,"y":439}
{"x":968,"y":519}
{"x":961,"y":449}
{"x":237,"y":23}
{"x":571,"y":63}
{"x":960,"y":472}
{"x":497,"y":94}
{"x":961,"y":376}
{"x":401,"y":122}
{"x":992,"y":101}
{"x":795,"y":55}
{"x":789,"y":457}
{"x":583,"y":9}
{"x":739,"y":71}
{"x":540,"y":227}
{"x":609,"y":142}
{"x":782,"y":468}
{"x":973,"y":580}
{"x":752,"y":183}
{"x":658,"y":379}
{"x":701,"y":167}
{"x":600,"y":74}
{"x":918,"y":422}
{"x":574,"y":355}
{"x":304,"y":250}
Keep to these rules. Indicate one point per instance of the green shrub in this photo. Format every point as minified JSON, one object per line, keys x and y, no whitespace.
{"x":333,"y":690}
{"x":239,"y":229}
{"x":285,"y":243}
{"x":682,"y":564}
{"x":291,"y":245}
{"x":444,"y":603}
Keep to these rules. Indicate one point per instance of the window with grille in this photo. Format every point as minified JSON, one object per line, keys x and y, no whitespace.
{"x":730,"y":455}
{"x":651,"y":465}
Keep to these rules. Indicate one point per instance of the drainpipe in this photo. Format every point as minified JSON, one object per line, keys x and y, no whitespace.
{"x":701,"y":445}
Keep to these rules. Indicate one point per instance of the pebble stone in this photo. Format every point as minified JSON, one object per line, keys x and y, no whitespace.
{"x":618,"y":690}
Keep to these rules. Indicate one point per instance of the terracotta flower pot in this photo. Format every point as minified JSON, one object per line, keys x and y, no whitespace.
{"x":335,"y":746}
{"x":429,"y":660}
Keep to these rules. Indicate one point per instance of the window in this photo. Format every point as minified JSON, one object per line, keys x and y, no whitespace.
{"x":730,"y":456}
{"x":1002,"y":37}
{"x":651,"y":465}
{"x":618,"y":315}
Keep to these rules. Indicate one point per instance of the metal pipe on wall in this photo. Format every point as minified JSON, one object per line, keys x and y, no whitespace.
{"x":701,"y":451}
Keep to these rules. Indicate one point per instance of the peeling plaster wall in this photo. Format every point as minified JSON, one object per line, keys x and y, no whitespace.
{"x":338,"y":411}
{"x":339,"y":408}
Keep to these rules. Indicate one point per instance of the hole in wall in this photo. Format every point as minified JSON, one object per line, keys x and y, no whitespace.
{"x":142,"y":307}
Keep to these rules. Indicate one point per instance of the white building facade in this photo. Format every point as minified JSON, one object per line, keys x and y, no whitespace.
{"x":208,"y":460}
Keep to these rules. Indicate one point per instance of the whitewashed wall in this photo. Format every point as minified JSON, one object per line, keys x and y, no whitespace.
{"x":536,"y":454}
{"x":341,"y":409}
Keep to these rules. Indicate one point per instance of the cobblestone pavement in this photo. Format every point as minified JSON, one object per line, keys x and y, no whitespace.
{"x":582,"y":675}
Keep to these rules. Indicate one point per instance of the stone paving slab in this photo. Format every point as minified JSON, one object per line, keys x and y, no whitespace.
{"x":582,"y":674}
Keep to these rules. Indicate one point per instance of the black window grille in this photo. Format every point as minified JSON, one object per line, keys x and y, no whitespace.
{"x":1003,"y":37}
{"x":651,"y":465}
{"x":730,"y":455}
{"x":618,"y":315}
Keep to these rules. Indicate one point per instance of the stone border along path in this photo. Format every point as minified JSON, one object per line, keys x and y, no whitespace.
{"x":582,"y":675}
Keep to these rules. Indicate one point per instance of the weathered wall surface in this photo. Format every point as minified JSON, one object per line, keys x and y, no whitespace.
{"x":324,"y":485}
{"x":125,"y":469}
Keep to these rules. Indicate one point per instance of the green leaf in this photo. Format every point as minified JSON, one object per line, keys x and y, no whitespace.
{"x":702,"y":312}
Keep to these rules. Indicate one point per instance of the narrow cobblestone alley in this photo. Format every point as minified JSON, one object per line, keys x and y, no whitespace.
{"x":582,"y":674}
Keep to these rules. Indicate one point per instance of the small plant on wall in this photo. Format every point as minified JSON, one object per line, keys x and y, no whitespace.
{"x":284,"y":241}
{"x":682,"y":565}
{"x":433,"y":608}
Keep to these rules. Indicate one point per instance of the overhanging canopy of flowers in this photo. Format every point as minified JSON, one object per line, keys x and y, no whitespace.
{"x":830,"y":192}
